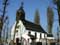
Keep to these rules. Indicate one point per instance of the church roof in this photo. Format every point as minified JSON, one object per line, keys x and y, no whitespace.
{"x":33,"y":27}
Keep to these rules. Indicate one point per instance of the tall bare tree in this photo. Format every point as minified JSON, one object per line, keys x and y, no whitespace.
{"x":3,"y":18}
{"x":57,"y":3}
{"x":50,"y":17}
{"x":37,"y":17}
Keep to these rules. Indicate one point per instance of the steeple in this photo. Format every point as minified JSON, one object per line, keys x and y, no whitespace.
{"x":20,"y":13}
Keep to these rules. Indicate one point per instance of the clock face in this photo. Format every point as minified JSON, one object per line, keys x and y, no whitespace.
{"x":0,"y":21}
{"x":20,"y":13}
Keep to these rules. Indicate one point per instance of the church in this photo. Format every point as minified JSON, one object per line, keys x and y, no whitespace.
{"x":28,"y":32}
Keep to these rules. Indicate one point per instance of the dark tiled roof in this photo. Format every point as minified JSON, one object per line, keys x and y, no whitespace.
{"x":34,"y":27}
{"x":49,"y":35}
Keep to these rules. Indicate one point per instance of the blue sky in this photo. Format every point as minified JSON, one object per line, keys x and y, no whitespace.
{"x":30,"y":7}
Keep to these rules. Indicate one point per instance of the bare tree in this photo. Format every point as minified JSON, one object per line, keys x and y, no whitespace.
{"x":50,"y":17}
{"x":3,"y":18}
{"x":57,"y":3}
{"x":37,"y":17}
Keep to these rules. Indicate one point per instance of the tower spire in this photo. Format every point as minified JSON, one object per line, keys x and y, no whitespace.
{"x":22,"y":4}
{"x":20,"y":13}
{"x":21,"y":7}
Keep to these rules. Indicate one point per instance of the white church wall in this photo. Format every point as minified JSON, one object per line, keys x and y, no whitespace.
{"x":20,"y":30}
{"x":50,"y":38}
{"x":42,"y":34}
{"x":38,"y":35}
{"x":33,"y":33}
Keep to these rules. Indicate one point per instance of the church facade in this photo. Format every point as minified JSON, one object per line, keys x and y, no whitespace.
{"x":27,"y":31}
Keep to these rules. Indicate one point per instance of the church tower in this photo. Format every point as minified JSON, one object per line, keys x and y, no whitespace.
{"x":20,"y":15}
